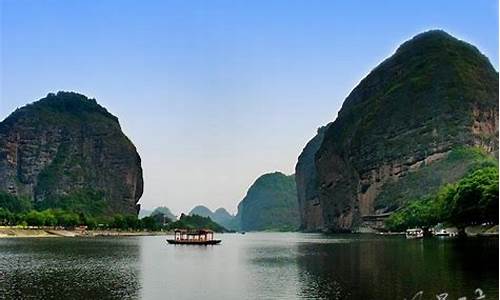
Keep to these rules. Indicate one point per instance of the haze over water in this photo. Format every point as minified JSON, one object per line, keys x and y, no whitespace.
{"x":251,"y":266}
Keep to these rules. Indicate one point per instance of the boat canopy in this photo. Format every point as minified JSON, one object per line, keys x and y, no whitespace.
{"x":193,"y":234}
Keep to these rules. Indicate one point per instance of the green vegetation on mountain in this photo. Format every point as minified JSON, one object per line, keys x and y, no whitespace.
{"x":14,"y":204}
{"x":270,"y":204}
{"x":196,"y":222}
{"x":472,"y":200}
{"x":81,"y":201}
{"x":431,"y":177}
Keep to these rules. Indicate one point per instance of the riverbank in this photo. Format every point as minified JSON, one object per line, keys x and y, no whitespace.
{"x":469,"y":231}
{"x":482,"y":230}
{"x":20,"y":232}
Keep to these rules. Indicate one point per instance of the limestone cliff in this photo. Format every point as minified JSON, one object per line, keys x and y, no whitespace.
{"x":64,"y":147}
{"x":436,"y":93}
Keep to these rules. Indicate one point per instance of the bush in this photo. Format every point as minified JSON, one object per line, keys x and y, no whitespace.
{"x":150,"y":223}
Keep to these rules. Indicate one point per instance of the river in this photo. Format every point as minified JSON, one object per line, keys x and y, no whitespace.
{"x":251,"y":266}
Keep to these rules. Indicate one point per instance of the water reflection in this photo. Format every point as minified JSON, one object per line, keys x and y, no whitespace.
{"x":59,"y":268}
{"x":394,"y":268}
{"x":251,"y":266}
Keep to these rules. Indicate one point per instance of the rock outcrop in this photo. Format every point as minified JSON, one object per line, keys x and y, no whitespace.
{"x":435,"y":94}
{"x":270,"y":204}
{"x":63,"y":147}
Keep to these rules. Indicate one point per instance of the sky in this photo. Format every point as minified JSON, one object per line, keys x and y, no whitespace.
{"x":215,"y":93}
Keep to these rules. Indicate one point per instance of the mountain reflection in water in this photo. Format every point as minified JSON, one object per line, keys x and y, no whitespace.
{"x":251,"y":266}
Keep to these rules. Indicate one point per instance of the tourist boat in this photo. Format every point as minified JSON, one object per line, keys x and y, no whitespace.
{"x":414,"y":233}
{"x":193,"y":237}
{"x":444,"y":232}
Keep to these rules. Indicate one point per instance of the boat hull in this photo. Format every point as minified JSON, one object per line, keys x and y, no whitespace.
{"x":192,"y":242}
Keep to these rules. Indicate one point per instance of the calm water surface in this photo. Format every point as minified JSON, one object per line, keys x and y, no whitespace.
{"x":251,"y":266}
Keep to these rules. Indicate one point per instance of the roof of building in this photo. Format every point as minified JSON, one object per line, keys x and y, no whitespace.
{"x":193,"y":231}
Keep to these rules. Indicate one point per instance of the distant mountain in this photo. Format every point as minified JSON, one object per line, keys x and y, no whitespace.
{"x":164,"y":211}
{"x":196,"y":222}
{"x":201,"y":210}
{"x":220,"y":216}
{"x":270,"y":204}
{"x":144,"y":213}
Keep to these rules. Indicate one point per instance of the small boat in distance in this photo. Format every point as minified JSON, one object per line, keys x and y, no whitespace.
{"x":414,"y":233}
{"x":193,"y":237}
{"x":445,"y":232}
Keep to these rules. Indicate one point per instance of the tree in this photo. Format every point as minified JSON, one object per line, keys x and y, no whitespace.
{"x":119,"y":222}
{"x":131,"y":222}
{"x":35,"y":218}
{"x":49,"y":218}
{"x":67,"y":219}
{"x":476,"y":198}
{"x":149,"y":223}
{"x":473,"y":200}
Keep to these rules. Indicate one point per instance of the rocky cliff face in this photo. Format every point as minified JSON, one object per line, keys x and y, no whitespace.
{"x":67,"y":145}
{"x":434,"y":94}
{"x":306,"y":180}
{"x":270,"y":204}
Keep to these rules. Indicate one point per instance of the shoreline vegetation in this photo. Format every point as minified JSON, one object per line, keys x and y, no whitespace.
{"x":44,"y":232}
{"x":470,"y":202}
{"x":60,"y":223}
{"x":484,"y":230}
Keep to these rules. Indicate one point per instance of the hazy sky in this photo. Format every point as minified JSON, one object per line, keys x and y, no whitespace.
{"x":216,"y":93}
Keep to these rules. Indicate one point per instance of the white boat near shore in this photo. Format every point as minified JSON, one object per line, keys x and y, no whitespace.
{"x":445,"y":233}
{"x":414,"y":233}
